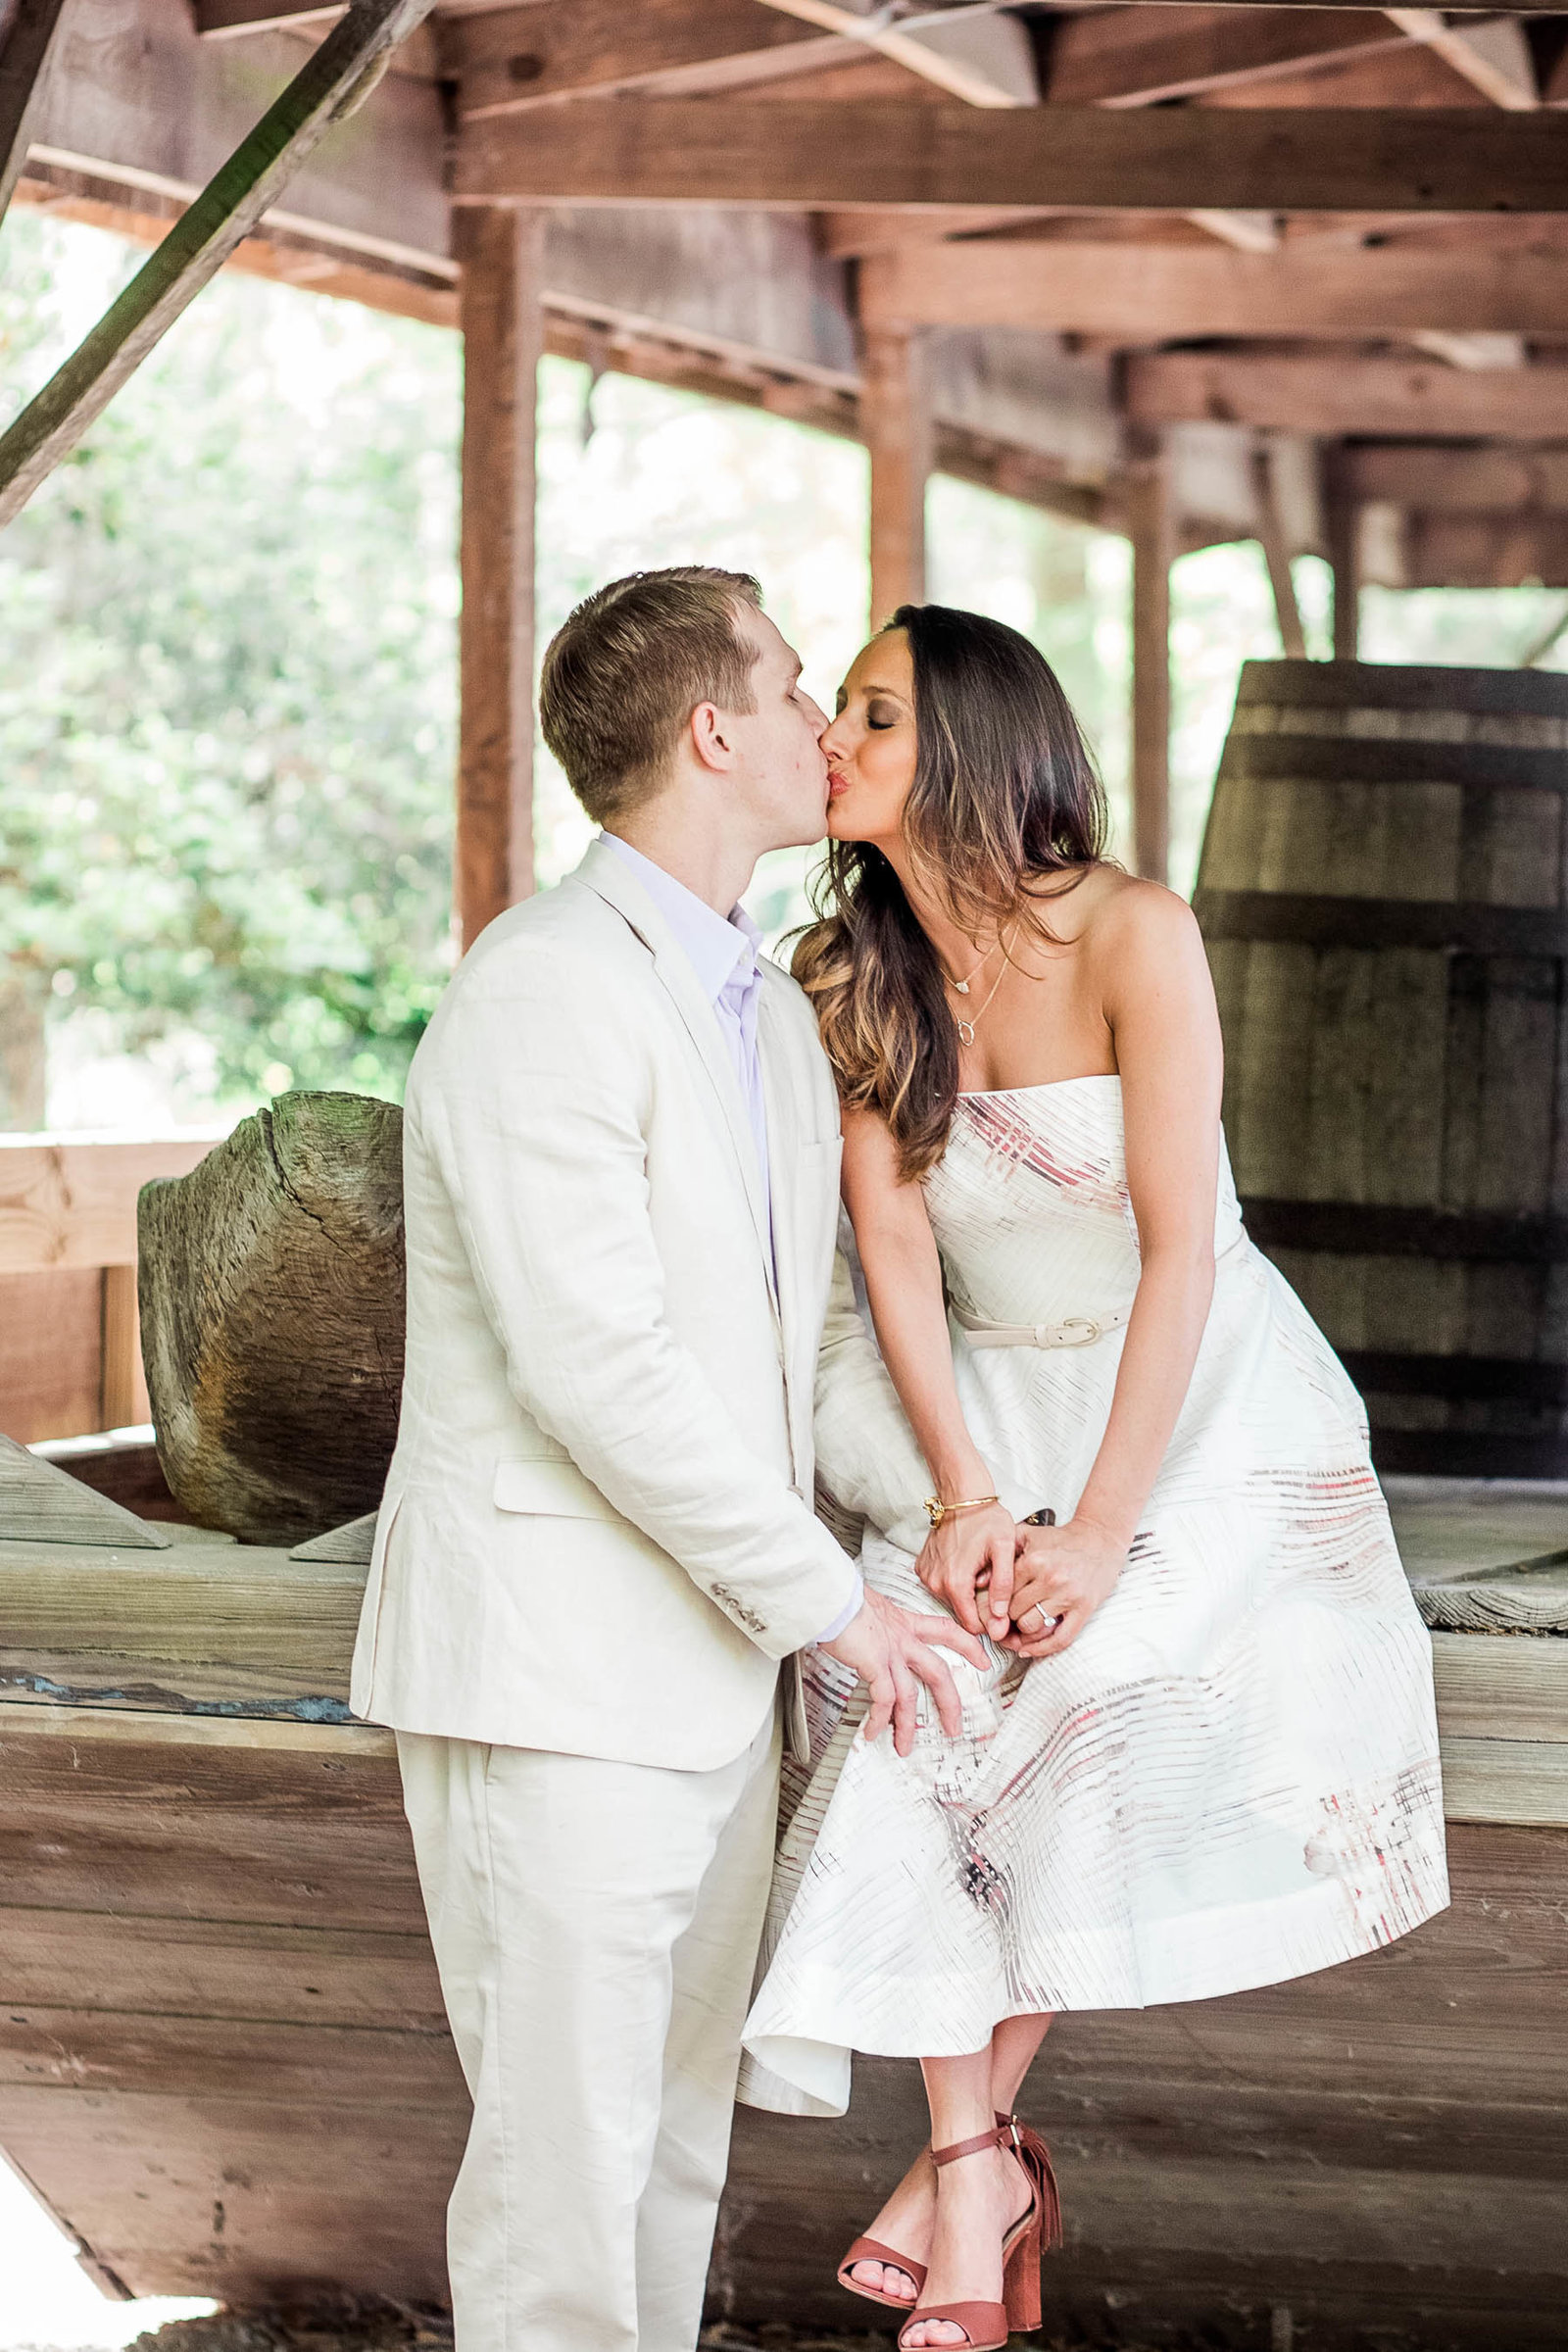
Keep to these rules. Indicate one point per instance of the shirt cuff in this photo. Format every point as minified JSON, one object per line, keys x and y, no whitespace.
{"x":831,"y":1633}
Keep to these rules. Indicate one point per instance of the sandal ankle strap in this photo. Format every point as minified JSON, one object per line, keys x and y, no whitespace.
{"x":971,"y":2147}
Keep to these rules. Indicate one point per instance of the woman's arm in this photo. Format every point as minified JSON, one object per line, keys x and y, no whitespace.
{"x":904,"y":1285}
{"x":1159,"y":1003}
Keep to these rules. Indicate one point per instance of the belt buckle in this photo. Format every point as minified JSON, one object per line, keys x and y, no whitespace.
{"x":1083,"y":1328}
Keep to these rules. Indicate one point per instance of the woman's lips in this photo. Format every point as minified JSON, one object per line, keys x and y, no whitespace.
{"x":837,"y":783}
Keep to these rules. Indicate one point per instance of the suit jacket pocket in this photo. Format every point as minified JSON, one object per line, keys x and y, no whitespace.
{"x":548,"y":1489}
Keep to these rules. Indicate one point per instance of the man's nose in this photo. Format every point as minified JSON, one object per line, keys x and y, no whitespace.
{"x":820,"y":721}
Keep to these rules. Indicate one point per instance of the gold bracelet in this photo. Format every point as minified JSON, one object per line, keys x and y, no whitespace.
{"x":936,"y":1510}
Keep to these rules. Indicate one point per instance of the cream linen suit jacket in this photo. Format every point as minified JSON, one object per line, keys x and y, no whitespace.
{"x":597,"y":1535}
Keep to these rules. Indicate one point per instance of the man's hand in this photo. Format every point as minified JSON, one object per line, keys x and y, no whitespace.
{"x":1063,"y":1574}
{"x":894,"y":1653}
{"x":967,"y":1561}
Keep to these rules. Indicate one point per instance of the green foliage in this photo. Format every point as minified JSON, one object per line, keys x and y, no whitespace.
{"x":227,"y":679}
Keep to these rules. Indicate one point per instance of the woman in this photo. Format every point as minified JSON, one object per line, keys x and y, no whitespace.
{"x":1205,"y":1754}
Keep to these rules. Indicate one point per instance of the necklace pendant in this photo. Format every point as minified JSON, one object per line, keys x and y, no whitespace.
{"x":960,"y":988}
{"x":966,"y":1032}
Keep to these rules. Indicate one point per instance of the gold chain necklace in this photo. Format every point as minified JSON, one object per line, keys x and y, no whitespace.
{"x":967,"y":1029}
{"x":960,"y":988}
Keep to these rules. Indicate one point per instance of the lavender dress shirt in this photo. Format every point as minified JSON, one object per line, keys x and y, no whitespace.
{"x":722,"y":950}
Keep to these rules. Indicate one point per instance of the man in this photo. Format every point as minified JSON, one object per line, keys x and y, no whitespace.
{"x":597,"y":1543}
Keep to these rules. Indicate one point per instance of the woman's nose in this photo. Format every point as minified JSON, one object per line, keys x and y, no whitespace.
{"x":834,"y":737}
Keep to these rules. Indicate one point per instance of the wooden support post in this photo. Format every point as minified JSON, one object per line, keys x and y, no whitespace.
{"x":123,"y":1392}
{"x":500,"y":248}
{"x":1277,"y":556}
{"x":337,"y":77}
{"x":1342,"y":511}
{"x":1151,"y":530}
{"x":895,"y":413}
{"x":23,"y":55}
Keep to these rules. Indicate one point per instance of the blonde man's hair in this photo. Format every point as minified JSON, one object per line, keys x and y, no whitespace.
{"x":627,"y":668}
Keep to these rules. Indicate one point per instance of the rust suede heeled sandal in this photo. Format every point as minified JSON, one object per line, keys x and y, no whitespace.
{"x":1033,"y":2155}
{"x":988,"y":2326}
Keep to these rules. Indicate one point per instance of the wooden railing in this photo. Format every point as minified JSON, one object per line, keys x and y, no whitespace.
{"x":70,"y":1342}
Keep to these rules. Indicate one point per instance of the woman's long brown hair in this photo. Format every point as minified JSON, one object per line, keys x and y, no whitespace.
{"x":1005,"y":796}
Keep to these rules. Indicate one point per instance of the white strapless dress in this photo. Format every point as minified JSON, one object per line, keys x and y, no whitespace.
{"x":1230,"y":1778}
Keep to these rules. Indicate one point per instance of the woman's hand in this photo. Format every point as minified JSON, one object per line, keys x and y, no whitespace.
{"x":1063,"y":1575}
{"x":967,"y":1562}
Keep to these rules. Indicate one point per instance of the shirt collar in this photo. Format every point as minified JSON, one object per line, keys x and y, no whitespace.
{"x":717,"y":946}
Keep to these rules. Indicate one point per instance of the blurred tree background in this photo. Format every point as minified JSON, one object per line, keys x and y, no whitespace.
{"x":227,"y":667}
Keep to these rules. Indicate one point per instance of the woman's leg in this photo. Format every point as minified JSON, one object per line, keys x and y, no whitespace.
{"x":1012,"y":2053}
{"x":906,"y":2219}
{"x":977,"y":2199}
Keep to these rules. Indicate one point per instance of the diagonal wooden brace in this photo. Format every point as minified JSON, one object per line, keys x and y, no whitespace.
{"x":339,"y":77}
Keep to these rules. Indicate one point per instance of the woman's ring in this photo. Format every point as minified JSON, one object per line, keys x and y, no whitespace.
{"x":1046,"y":1625}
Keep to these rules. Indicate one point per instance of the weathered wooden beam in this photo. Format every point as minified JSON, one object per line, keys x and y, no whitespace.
{"x":69,"y":1203}
{"x":501,"y":251}
{"x":1345,"y":392}
{"x":332,"y":84}
{"x":1343,"y":523}
{"x":983,"y":55}
{"x":512,"y":58}
{"x":1149,"y":523}
{"x":1492,"y":56}
{"x":1461,"y":481}
{"x":789,"y":156}
{"x":23,"y":57}
{"x":1146,"y":292}
{"x":228,"y":20}
{"x":1141,"y":56}
{"x":896,"y":417}
{"x":1277,"y":556}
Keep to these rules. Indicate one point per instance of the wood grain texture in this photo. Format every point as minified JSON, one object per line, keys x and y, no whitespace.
{"x":24,"y":45}
{"x":1383,"y":869}
{"x":1348,"y":393}
{"x":41,"y":1505}
{"x":1150,"y":526}
{"x":1107,"y":57}
{"x":501,"y":252}
{"x":73,"y":1204}
{"x":205,"y":1628}
{"x":512,"y":59}
{"x":1143,"y":159}
{"x":895,"y":412}
{"x":272,"y":1300}
{"x":1143,"y":292}
{"x":51,"y":1353}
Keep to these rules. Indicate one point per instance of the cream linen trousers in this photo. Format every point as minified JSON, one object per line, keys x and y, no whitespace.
{"x":596,"y":1928}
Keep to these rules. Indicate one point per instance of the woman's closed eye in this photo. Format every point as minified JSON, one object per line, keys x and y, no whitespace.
{"x":882,"y":714}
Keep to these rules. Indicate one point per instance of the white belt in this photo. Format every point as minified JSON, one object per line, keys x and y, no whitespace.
{"x":1077,"y":1331}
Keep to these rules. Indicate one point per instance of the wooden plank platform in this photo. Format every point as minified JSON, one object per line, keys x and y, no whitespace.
{"x":224,"y":2059}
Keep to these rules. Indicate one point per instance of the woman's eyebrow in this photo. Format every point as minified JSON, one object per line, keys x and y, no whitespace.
{"x":890,"y":692}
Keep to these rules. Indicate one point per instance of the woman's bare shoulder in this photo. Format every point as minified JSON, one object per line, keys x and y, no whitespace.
{"x":1117,"y":911}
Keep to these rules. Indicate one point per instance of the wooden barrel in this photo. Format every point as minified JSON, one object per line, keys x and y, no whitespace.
{"x":1383,"y":891}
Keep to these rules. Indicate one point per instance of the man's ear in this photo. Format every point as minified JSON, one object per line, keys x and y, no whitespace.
{"x":711,"y":737}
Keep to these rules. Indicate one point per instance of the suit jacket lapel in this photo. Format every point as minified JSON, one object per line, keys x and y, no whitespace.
{"x":603,"y":871}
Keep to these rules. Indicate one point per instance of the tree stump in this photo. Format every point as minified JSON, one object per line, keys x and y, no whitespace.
{"x":272,"y":1289}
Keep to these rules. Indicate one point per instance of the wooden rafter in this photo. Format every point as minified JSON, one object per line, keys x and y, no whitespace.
{"x":1345,"y":392}
{"x":1147,"y":293}
{"x":24,"y":56}
{"x":1143,"y":56}
{"x":512,"y":60}
{"x":987,"y":61}
{"x":864,"y":152}
{"x":335,"y":79}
